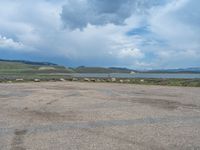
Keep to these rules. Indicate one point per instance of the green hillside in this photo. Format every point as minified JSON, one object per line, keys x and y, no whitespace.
{"x":27,"y":67}
{"x":16,"y":67}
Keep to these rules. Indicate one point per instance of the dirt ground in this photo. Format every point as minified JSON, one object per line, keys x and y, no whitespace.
{"x":98,"y":116}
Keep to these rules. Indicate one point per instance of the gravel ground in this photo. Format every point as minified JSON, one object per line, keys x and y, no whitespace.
{"x":98,"y":116}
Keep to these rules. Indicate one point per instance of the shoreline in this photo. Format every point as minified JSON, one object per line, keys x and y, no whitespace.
{"x":139,"y":81}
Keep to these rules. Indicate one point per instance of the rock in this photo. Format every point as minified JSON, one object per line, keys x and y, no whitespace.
{"x":98,"y":80}
{"x":142,"y":80}
{"x":74,"y":79}
{"x":103,"y":80}
{"x":9,"y":81}
{"x":108,"y":80}
{"x":121,"y":81}
{"x":87,"y":79}
{"x":36,"y":80}
{"x":93,"y":80}
{"x":61,"y":79}
{"x":113,"y":79}
{"x":19,"y":79}
{"x":127,"y":81}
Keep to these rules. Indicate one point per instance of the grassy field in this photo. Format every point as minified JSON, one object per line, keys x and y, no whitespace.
{"x":168,"y":82}
{"x":7,"y":67}
{"x":12,"y":71}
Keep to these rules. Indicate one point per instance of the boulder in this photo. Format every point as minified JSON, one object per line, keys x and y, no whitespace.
{"x":19,"y":80}
{"x":36,"y":80}
{"x":127,"y":81}
{"x":87,"y":79}
{"x":98,"y":80}
{"x":74,"y":79}
{"x":93,"y":80}
{"x":142,"y":80}
{"x":113,"y":79}
{"x":61,"y":79}
{"x":121,"y":81}
{"x":103,"y":80}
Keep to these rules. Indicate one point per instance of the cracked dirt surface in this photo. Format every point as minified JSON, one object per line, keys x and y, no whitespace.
{"x":98,"y":116}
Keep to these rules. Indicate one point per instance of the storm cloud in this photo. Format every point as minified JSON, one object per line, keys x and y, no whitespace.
{"x":80,"y":13}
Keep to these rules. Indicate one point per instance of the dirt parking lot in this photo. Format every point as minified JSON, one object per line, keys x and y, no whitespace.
{"x":98,"y":116}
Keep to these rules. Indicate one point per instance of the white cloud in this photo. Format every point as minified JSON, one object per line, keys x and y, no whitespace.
{"x":131,"y":52}
{"x":10,"y":43}
{"x":178,"y":24}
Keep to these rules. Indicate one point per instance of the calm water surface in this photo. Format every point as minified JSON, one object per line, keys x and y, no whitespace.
{"x":139,"y":75}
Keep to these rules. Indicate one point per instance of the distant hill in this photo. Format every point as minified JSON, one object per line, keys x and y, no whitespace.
{"x":29,"y":62}
{"x":123,"y":70}
{"x":83,"y":69}
{"x":20,"y":66}
{"x":181,"y":70}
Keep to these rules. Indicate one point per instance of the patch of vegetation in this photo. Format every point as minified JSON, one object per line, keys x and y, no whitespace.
{"x":168,"y":82}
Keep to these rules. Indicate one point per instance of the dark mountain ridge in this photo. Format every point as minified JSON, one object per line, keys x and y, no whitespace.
{"x":30,"y":62}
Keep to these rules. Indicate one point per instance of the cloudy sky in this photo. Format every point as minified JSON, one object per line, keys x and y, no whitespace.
{"x":139,"y":34}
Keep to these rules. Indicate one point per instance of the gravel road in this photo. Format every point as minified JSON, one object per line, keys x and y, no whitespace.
{"x":98,"y":116}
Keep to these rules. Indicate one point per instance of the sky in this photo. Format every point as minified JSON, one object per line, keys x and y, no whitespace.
{"x":137,"y":34}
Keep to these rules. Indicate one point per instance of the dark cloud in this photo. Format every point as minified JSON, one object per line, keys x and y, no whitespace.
{"x":79,"y":13}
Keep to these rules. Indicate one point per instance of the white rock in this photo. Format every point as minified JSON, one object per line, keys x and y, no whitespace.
{"x":113,"y":79}
{"x":19,"y":79}
{"x":74,"y":79}
{"x":87,"y":79}
{"x":61,"y":79}
{"x":121,"y":81}
{"x":36,"y":80}
{"x":127,"y":81}
{"x":98,"y":80}
{"x":93,"y":80}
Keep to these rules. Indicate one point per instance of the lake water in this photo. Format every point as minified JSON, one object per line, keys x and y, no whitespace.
{"x":139,"y":75}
